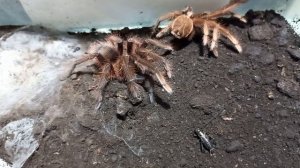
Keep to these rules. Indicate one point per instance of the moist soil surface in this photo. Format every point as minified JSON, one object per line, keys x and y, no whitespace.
{"x":248,"y":104}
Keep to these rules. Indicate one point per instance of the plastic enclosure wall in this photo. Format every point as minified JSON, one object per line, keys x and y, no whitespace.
{"x":113,"y":14}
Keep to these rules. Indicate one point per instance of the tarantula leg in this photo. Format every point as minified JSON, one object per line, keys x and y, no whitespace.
{"x":205,"y":34}
{"x":198,"y":22}
{"x":215,"y":52}
{"x":238,"y":16}
{"x":225,"y":10}
{"x":164,"y":31}
{"x":102,"y":83}
{"x":214,"y":40}
{"x":151,"y":55}
{"x":159,"y":44}
{"x":163,"y":82}
{"x":170,"y":16}
{"x":144,"y":66}
{"x":168,"y":68}
{"x":77,"y":62}
{"x":230,"y":36}
{"x":129,"y":73}
{"x":120,"y":47}
{"x":223,"y":31}
{"x":135,"y":89}
{"x":149,"y":85}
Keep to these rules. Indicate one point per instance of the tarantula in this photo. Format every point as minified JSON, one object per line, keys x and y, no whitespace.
{"x":184,"y":22}
{"x":124,"y":60}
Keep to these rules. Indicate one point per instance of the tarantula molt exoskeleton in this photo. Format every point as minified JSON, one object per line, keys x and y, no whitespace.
{"x":124,"y":60}
{"x":184,"y":22}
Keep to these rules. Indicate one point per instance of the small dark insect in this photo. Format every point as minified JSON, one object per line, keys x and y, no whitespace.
{"x":206,"y":142}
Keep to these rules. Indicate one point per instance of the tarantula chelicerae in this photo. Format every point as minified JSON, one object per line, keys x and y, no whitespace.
{"x":124,"y":60}
{"x":184,"y":22}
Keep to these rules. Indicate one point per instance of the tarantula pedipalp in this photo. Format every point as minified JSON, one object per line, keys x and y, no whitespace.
{"x":184,"y":22}
{"x":124,"y":59}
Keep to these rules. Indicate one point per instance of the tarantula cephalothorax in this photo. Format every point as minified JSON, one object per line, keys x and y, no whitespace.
{"x":183,"y":25}
{"x":124,"y":60}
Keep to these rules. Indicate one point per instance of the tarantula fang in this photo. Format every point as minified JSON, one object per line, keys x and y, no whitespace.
{"x":184,"y":22}
{"x":124,"y":60}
